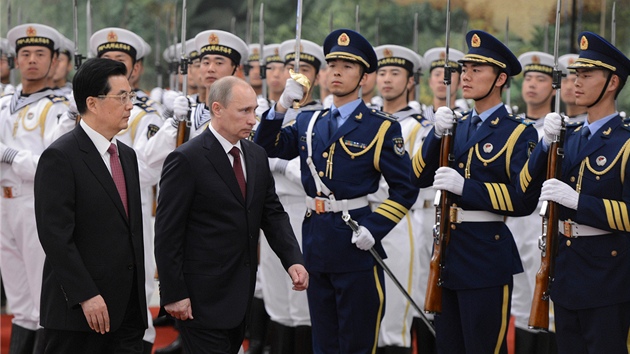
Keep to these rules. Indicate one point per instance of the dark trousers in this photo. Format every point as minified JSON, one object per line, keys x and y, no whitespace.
{"x":211,"y":341}
{"x":595,"y":330}
{"x":127,"y":339}
{"x":474,"y":321}
{"x":528,"y":342}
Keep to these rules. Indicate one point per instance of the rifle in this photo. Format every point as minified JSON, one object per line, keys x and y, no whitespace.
{"x":539,"y":315}
{"x":88,"y":27}
{"x":508,"y":82}
{"x":261,"y":58}
{"x":78,"y":58}
{"x":183,"y":127}
{"x":442,"y":227}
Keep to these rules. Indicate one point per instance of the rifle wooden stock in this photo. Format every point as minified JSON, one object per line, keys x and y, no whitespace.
{"x":539,"y":315}
{"x":183,"y":132}
{"x":441,"y":234}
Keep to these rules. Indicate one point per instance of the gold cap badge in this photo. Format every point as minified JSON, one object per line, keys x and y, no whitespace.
{"x":583,"y":43}
{"x":535,"y":59}
{"x":112,"y":37}
{"x":31,"y":31}
{"x":442,"y":55}
{"x":387,"y":53}
{"x":475,"y":41}
{"x":343,"y":40}
{"x":213,"y":39}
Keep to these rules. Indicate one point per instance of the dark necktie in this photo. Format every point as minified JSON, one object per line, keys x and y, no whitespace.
{"x":473,"y":126}
{"x":118,"y":175}
{"x":584,"y":134}
{"x":332,"y":124}
{"x":238,"y":170}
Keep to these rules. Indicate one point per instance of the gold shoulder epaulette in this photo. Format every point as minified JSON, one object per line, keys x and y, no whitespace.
{"x":381,"y":114}
{"x":145,"y":107}
{"x":54,"y":98}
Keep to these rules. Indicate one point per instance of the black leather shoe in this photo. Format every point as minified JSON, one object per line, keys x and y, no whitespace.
{"x":174,"y":348}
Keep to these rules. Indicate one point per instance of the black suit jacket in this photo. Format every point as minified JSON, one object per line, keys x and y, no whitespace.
{"x":91,"y":246}
{"x":206,"y":234}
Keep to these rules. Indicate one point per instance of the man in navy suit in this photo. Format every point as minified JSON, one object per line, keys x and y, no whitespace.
{"x":89,"y":220}
{"x":216,"y":193}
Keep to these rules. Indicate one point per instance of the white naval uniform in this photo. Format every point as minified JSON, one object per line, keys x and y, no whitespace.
{"x":408,"y":245}
{"x":285,"y":306}
{"x":26,"y":125}
{"x":526,"y":230}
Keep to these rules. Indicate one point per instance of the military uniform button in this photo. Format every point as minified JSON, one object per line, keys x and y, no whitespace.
{"x":321,"y":174}
{"x":453,"y":227}
{"x":568,"y":243}
{"x":497,"y":237}
{"x":325,"y":154}
{"x":461,"y":165}
{"x":303,"y":148}
{"x":572,"y":179}
{"x":613,"y":253}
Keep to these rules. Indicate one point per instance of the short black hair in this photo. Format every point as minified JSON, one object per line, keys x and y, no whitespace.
{"x":92,"y":79}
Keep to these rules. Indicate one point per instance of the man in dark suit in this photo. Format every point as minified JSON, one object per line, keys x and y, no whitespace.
{"x":89,"y":220}
{"x":216,"y":193}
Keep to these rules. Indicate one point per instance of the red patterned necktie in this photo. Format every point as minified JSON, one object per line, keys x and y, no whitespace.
{"x":118,"y":175}
{"x":238,"y":170}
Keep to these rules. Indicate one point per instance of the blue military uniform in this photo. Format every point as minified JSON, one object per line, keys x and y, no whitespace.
{"x":346,"y":293}
{"x":592,"y":267}
{"x":481,"y":256}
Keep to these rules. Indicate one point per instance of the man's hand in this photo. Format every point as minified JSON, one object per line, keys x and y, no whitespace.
{"x":299,"y":277}
{"x":448,"y":179}
{"x":363,"y":239}
{"x":551,"y":127}
{"x":444,"y":118}
{"x":180,"y":310}
{"x":95,"y":311}
{"x":560,"y":192}
{"x":293,"y":91}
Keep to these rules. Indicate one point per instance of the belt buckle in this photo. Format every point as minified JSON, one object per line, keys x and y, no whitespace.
{"x":7,"y":192}
{"x":568,"y":228}
{"x":454,"y":214}
{"x":320,"y":206}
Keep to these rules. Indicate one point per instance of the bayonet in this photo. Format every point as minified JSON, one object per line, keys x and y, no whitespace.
{"x":416,"y":75}
{"x":330,"y":22}
{"x":183,"y":62}
{"x":158,"y":52}
{"x":78,"y":58}
{"x":377,"y":38}
{"x":613,"y":25}
{"x":298,"y":47}
{"x":88,"y":27}
{"x":357,"y":25}
{"x":508,"y":82}
{"x":261,"y":58}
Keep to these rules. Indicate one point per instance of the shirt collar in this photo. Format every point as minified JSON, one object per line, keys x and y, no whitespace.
{"x":594,"y":127}
{"x":348,"y":108}
{"x":487,"y":113}
{"x":100,"y":142}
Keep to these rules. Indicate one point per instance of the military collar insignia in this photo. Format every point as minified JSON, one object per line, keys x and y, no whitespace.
{"x":359,"y":116}
{"x":495,"y":122}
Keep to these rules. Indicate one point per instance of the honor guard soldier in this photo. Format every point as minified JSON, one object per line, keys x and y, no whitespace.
{"x":490,"y":148}
{"x":276,"y":75}
{"x":538,"y":93}
{"x":127,"y":47}
{"x":589,"y":289}
{"x":567,"y":89}
{"x":434,"y":64}
{"x":221,"y":54}
{"x":65,"y":63}
{"x":27,"y":120}
{"x":6,"y":51}
{"x":343,"y":154}
{"x":288,"y":309}
{"x":407,"y":245}
{"x":253,"y":68}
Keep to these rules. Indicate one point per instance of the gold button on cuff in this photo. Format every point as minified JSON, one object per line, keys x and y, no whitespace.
{"x":568,"y":243}
{"x":325,"y":154}
{"x":613,"y":253}
{"x":321,"y":174}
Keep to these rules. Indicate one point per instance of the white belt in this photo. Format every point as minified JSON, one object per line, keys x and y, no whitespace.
{"x":459,"y":215}
{"x":10,"y":192}
{"x":325,"y":205}
{"x":572,"y":229}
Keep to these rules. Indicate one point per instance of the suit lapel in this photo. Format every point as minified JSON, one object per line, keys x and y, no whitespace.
{"x":96,"y":165}
{"x":218,"y":158}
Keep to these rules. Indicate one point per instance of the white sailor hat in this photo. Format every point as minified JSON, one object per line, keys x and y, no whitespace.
{"x":5,"y":47}
{"x":146,"y":49}
{"x":435,"y":58}
{"x":271,"y":54}
{"x":567,"y":60}
{"x":117,"y":39}
{"x":171,"y":54}
{"x":310,"y":53}
{"x":395,"y":55}
{"x":34,"y":34}
{"x":253,"y":52}
{"x":191,"y":50}
{"x":221,"y":43}
{"x":66,"y":46}
{"x":540,"y":62}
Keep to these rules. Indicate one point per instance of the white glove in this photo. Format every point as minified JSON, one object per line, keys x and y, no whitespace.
{"x":551,"y":128}
{"x":73,"y":111}
{"x":444,"y":120}
{"x":180,"y":108}
{"x":293,"y":91}
{"x":168,"y":99}
{"x":8,"y":89}
{"x":156,"y":94}
{"x":363,"y":239}
{"x":447,"y":179}
{"x":560,"y":192}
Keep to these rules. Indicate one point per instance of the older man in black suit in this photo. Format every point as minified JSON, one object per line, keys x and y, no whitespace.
{"x":216,"y":193}
{"x":87,"y":206}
